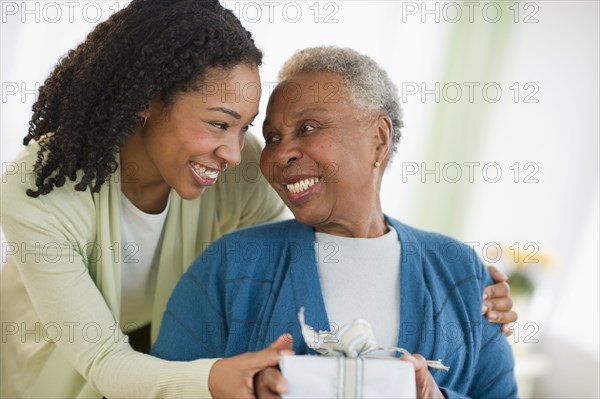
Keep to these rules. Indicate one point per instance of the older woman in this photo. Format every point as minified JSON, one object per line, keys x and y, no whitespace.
{"x":331,"y":128}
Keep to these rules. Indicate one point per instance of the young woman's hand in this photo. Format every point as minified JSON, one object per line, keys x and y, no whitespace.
{"x":233,"y":377}
{"x":497,"y":303}
{"x":269,"y":383}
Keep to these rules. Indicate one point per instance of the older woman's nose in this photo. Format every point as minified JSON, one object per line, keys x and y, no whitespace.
{"x":288,"y":152}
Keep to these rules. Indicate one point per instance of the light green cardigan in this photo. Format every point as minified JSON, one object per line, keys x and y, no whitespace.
{"x":61,"y":281}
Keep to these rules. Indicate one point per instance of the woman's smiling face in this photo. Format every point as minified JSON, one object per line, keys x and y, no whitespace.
{"x":319,"y":151}
{"x":188,"y":143}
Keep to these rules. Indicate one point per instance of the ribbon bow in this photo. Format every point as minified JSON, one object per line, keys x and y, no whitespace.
{"x":352,"y":340}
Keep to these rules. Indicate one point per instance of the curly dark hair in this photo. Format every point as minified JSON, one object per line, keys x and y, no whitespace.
{"x":89,"y":104}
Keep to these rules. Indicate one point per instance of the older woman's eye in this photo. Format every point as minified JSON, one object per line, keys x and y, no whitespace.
{"x":307,"y":128}
{"x":271,"y":138}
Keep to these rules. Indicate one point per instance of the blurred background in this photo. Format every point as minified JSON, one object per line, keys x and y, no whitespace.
{"x":500,"y":148}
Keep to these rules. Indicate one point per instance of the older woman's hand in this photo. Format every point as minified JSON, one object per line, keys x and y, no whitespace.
{"x":497,"y":303}
{"x":426,"y":386}
{"x":234,"y":377}
{"x":270,"y":384}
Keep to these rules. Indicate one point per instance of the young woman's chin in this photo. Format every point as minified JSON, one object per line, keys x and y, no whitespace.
{"x":189,"y":193}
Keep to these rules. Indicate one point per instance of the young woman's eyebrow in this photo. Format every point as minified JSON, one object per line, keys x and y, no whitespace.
{"x":230,"y":112}
{"x":227,"y":111}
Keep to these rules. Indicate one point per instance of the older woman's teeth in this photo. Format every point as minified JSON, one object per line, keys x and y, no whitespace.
{"x":302,"y":185}
{"x":204,"y":172}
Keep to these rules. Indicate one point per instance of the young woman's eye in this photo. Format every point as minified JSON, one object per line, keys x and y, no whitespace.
{"x":247,"y":127}
{"x":220,"y":125}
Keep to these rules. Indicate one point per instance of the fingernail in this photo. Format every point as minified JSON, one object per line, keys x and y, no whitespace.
{"x":493,"y":315}
{"x":485,"y":296}
{"x":288,"y":337}
{"x":287,"y":352}
{"x":484,"y":308}
{"x":281,"y":387}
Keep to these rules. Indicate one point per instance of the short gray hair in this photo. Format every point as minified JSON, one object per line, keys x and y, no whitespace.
{"x":368,"y":84}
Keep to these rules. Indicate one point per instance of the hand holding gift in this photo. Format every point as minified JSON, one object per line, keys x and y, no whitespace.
{"x":348,"y":368}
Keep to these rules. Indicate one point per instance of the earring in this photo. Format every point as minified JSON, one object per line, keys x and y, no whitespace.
{"x":225,"y":167}
{"x":376,"y":164}
{"x":143,"y":122}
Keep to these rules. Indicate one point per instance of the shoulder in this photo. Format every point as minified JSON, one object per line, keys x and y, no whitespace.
{"x":427,"y":239}
{"x":438,"y":249}
{"x":270,"y":230}
{"x":64,"y":207}
{"x":258,"y":245}
{"x":18,"y":174}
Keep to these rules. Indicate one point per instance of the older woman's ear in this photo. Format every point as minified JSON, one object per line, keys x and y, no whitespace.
{"x":383,"y":138}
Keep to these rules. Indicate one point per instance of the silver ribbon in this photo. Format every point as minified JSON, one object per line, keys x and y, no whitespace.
{"x":354,"y":340}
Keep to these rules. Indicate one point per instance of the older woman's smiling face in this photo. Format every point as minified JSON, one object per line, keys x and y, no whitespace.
{"x":319,"y":154}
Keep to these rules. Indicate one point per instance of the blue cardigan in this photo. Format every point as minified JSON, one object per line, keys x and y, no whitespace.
{"x":246,"y":289}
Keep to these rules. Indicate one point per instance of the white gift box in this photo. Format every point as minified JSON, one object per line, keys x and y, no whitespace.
{"x":343,"y":377}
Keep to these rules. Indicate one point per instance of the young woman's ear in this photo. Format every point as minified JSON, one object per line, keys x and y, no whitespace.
{"x":152,"y":108}
{"x":146,"y":112}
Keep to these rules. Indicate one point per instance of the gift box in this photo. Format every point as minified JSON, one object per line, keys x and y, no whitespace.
{"x":313,"y":376}
{"x":348,"y":366}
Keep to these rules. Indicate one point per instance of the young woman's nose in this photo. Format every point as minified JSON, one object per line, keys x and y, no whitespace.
{"x":230,"y":150}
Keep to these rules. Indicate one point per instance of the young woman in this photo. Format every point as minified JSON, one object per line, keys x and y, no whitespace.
{"x":129,"y":170}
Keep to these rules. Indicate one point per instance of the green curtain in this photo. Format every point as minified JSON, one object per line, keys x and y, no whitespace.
{"x":475,"y":57}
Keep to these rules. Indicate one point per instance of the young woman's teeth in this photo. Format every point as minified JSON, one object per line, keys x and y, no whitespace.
{"x":302,"y":185}
{"x":204,"y":172}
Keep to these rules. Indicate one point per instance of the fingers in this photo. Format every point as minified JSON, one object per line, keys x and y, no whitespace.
{"x":497,"y":290}
{"x":499,"y":310}
{"x":269,"y":383}
{"x":497,"y":303}
{"x":502,"y":317}
{"x":417,"y":360}
{"x":285,"y":341}
{"x":235,"y":376}
{"x":496,"y":274}
{"x":265,"y":358}
{"x":270,"y":356}
{"x":229,"y":378}
{"x":503,"y":304}
{"x":421,"y":361}
{"x":426,"y":386}
{"x":507,"y":329}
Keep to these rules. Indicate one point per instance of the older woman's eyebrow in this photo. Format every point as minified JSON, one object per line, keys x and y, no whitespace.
{"x":299,"y":114}
{"x":307,"y":110}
